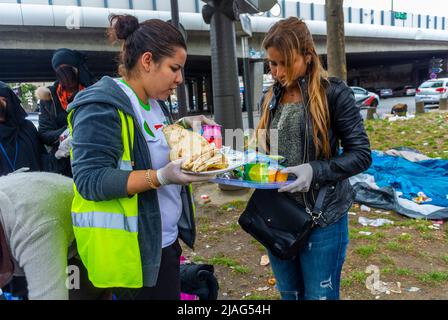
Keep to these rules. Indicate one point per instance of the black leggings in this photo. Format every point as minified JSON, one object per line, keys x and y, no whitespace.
{"x":168,"y":280}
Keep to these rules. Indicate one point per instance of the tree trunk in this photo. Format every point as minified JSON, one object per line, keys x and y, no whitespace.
{"x":335,"y":39}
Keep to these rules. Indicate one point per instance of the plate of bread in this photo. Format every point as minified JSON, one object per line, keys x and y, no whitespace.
{"x":201,"y":157}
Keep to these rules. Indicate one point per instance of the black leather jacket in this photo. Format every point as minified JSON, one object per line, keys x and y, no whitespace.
{"x":346,"y":130}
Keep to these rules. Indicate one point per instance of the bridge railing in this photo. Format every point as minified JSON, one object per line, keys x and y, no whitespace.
{"x":305,"y":10}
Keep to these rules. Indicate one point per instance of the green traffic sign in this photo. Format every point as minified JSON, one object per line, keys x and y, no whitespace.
{"x":400,"y":15}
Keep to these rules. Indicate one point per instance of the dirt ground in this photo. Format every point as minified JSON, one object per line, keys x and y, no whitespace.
{"x":411,"y":252}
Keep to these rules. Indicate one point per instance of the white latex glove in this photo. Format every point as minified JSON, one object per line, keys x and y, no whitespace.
{"x":304,"y":174}
{"x":64,"y":148}
{"x":64,"y":135}
{"x":196,"y":122}
{"x":172,"y":174}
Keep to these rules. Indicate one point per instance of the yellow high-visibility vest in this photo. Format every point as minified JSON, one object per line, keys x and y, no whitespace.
{"x":106,"y":232}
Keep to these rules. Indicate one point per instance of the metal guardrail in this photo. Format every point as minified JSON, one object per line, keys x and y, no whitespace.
{"x":307,"y":11}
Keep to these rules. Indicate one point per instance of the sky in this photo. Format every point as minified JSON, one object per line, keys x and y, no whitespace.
{"x":431,"y":7}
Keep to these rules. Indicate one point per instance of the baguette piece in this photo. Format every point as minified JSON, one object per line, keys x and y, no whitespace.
{"x":199,"y":155}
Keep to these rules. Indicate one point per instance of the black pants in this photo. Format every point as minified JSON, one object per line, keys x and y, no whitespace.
{"x":168,"y":280}
{"x":86,"y":291}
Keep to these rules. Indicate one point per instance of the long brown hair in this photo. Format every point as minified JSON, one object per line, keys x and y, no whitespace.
{"x":291,"y":37}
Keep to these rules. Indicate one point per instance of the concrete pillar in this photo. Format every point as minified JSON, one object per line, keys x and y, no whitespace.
{"x":226,"y":91}
{"x":443,"y":104}
{"x":256,"y":73}
{"x":419,"y":107}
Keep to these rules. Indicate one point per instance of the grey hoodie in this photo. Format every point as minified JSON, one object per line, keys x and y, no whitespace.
{"x":35,"y":216}
{"x":97,"y":148}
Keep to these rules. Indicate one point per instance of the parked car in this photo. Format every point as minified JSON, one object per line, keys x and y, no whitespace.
{"x":401,"y":91}
{"x":386,"y":93}
{"x":431,"y":91}
{"x":364,"y":98}
{"x":34,"y":118}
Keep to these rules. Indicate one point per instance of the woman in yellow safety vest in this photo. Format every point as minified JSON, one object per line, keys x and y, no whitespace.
{"x":131,"y":204}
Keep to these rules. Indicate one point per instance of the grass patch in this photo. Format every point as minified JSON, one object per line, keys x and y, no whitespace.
{"x":366,"y":251}
{"x":203,"y":228}
{"x":403,"y":272}
{"x":434,"y":276}
{"x":198,"y":259}
{"x":359,"y":276}
{"x":346,"y":282}
{"x":222,"y":260}
{"x":261,"y":297}
{"x":422,"y":228}
{"x":404,"y":237}
{"x":395,"y":246}
{"x":387,"y":260}
{"x":385,"y":135}
{"x":427,"y":235}
{"x":445,"y":258}
{"x":386,"y":270}
{"x":259,"y":246}
{"x":236,"y":205}
{"x":379,"y":235}
{"x":203,"y":224}
{"x":232,"y":227}
{"x":228,"y":262}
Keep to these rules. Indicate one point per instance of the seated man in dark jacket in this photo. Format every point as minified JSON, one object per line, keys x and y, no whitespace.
{"x":72,"y":76}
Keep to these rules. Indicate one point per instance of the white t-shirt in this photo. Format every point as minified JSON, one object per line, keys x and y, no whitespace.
{"x":152,"y":120}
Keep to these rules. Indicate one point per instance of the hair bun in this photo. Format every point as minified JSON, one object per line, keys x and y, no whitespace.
{"x":123,"y":25}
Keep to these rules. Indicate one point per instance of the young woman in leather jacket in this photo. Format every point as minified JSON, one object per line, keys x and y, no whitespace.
{"x":314,"y":116}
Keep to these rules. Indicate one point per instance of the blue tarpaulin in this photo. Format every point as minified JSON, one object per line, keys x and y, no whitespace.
{"x":428,"y":176}
{"x":392,"y":183}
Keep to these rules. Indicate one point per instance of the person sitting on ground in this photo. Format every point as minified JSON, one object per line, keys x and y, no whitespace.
{"x":20,"y":146}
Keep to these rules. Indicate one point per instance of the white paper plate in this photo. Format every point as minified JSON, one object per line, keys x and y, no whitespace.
{"x":236,"y":159}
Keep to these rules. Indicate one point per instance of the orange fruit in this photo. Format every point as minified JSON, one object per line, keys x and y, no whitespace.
{"x":272,"y":173}
{"x":281,"y":177}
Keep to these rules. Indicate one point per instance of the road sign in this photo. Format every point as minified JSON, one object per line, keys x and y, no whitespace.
{"x":435,"y":65}
{"x":436,"y":70}
{"x":433,"y":76}
{"x":400,"y":15}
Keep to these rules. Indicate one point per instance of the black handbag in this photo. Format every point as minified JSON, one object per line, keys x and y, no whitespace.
{"x":280,"y":223}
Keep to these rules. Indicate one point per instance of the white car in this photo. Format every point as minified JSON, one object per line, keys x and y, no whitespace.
{"x":365,"y":99}
{"x":431,"y":91}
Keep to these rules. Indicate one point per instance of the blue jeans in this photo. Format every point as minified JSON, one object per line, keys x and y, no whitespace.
{"x":315,"y":273}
